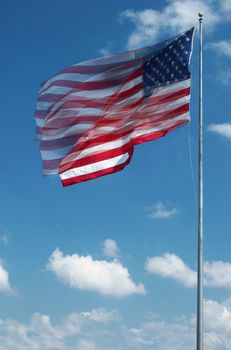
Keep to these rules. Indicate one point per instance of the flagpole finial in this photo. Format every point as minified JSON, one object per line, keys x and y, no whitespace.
{"x":200,"y":15}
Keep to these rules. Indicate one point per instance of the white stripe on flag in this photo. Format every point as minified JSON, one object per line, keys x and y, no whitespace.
{"x":79,"y":77}
{"x":96,"y":149}
{"x":58,"y":153}
{"x":94,"y":167}
{"x":63,"y":132}
{"x":172,"y":87}
{"x":161,"y":127}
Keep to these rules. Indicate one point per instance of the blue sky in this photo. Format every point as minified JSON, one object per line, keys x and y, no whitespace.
{"x":110,"y":263}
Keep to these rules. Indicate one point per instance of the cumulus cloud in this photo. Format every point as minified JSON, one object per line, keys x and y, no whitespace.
{"x":223,"y":129}
{"x":110,"y":248}
{"x":154,"y":334}
{"x":162,"y":211}
{"x":216,"y":274}
{"x":81,"y":331}
{"x":76,"y":331}
{"x":175,"y":17}
{"x":4,"y":280}
{"x":218,"y":316}
{"x":171,"y":266}
{"x":180,"y":334}
{"x":85,"y":273}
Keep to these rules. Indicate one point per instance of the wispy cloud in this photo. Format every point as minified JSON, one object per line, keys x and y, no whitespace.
{"x":110,"y":248}
{"x":222,"y":47}
{"x":5,"y":237}
{"x":83,"y":331}
{"x":226,"y":6}
{"x":82,"y":272}
{"x":176,"y":16}
{"x":5,"y":286}
{"x":76,"y":331}
{"x":221,"y":129}
{"x":85,"y":344}
{"x":101,"y":315}
{"x":106,"y":51}
{"x":216,"y":274}
{"x":224,"y":76}
{"x":180,"y":333}
{"x":161,"y":211}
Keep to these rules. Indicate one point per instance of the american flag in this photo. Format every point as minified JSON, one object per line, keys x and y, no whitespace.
{"x":90,"y":116}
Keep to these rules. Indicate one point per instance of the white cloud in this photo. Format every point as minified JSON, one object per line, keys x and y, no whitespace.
{"x":4,"y":280}
{"x":225,"y":76}
{"x":4,"y":238}
{"x":221,"y":129}
{"x":84,"y":344}
{"x":183,"y":14}
{"x":110,"y":248}
{"x":175,"y":17}
{"x":147,"y":23}
{"x":84,"y":273}
{"x":171,"y":266}
{"x":76,"y":331}
{"x":226,"y":6}
{"x":161,"y":211}
{"x":216,"y":274}
{"x":101,"y":315}
{"x":104,"y":51}
{"x":222,"y":47}
{"x":218,"y":317}
{"x":161,"y":335}
{"x":180,"y":334}
{"x":82,"y":332}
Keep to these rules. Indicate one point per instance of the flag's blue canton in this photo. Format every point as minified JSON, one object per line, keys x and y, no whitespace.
{"x":169,"y":64}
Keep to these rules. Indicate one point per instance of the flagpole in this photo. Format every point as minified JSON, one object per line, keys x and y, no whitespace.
{"x":200,"y":203}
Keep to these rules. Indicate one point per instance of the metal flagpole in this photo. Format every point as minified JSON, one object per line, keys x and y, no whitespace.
{"x":200,"y":206}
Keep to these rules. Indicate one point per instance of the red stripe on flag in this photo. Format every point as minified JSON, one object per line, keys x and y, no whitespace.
{"x":97,"y":157}
{"x":105,"y":101}
{"x":91,"y":176}
{"x":155,"y":135}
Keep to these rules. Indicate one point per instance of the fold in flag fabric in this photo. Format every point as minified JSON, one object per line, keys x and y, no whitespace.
{"x":90,"y":116}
